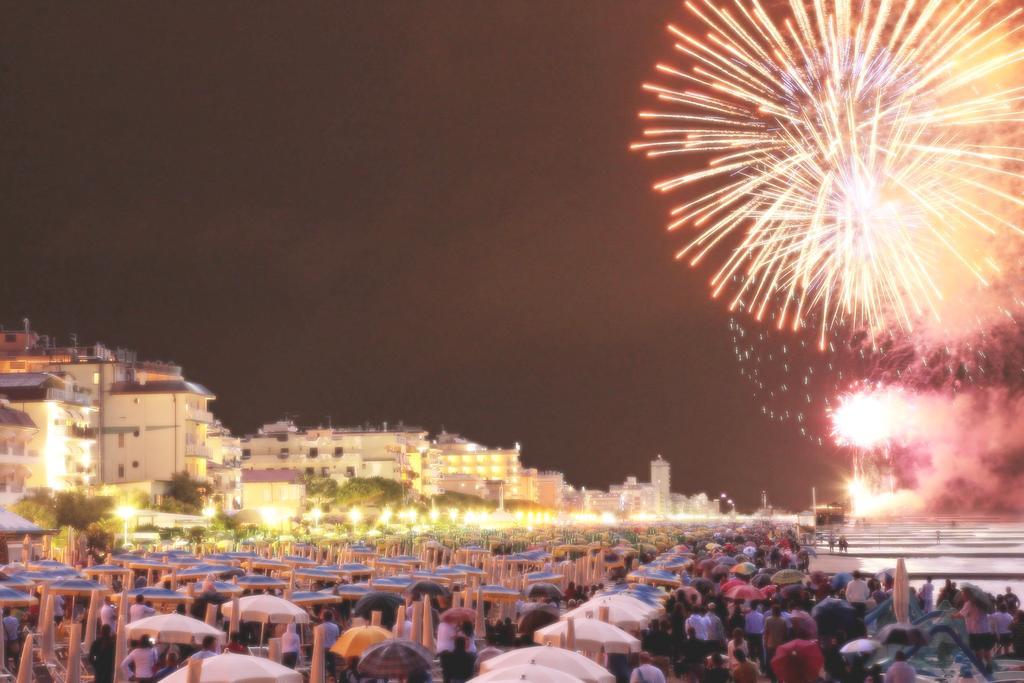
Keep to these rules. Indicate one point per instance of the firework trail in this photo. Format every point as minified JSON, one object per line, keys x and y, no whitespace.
{"x":850,"y":172}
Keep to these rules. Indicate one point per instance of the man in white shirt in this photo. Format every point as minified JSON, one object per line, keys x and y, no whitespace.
{"x":857,"y":593}
{"x":108,"y":615}
{"x":144,"y":660}
{"x":140,"y":610}
{"x":699,"y":623}
{"x":646,"y":672}
{"x":209,"y":648}
{"x":927,"y":594}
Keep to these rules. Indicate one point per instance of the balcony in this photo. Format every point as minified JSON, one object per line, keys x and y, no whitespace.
{"x":197,"y":450}
{"x":14,"y":453}
{"x":77,"y":432}
{"x":198,"y":415}
{"x":68,"y":396}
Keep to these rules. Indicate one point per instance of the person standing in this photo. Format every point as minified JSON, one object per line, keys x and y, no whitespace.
{"x":1000,"y":622}
{"x":457,"y":665}
{"x":754,"y":629}
{"x":331,"y":633}
{"x":101,"y":655}
{"x":744,"y":670}
{"x":1011,"y":600}
{"x":140,"y":610}
{"x":646,"y":672}
{"x":290,"y":647}
{"x":857,"y":593}
{"x":208,"y":650}
{"x":143,"y":660}
{"x":776,"y":632}
{"x":979,"y":631}
{"x":927,"y":594}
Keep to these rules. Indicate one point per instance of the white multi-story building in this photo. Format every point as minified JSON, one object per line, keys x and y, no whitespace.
{"x":341,"y":453}
{"x":16,"y":431}
{"x":149,"y":421}
{"x":458,"y":464}
{"x":62,"y":449}
{"x":661,"y":480}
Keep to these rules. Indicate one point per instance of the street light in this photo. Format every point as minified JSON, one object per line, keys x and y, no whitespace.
{"x":317,"y":514}
{"x":125,"y":512}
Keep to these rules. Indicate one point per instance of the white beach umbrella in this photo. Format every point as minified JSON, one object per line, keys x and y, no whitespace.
{"x":591,"y":636}
{"x":172,"y":628}
{"x":232,"y":668}
{"x":266,"y":609}
{"x":557,"y":658}
{"x":534,"y":673}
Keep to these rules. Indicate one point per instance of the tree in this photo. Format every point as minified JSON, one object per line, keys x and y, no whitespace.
{"x":78,"y":510}
{"x":38,"y":507}
{"x":372,"y":491}
{"x":454,"y":499}
{"x":185,"y":491}
{"x":321,"y":491}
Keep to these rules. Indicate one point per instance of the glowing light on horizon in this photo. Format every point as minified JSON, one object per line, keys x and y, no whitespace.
{"x":852,"y":166}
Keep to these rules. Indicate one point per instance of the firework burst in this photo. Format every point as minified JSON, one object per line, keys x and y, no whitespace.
{"x":850,"y":167}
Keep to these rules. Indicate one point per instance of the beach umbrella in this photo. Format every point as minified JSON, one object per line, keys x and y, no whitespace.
{"x":745,"y":592}
{"x":298,"y":561}
{"x":618,"y":614}
{"x":385,"y":603}
{"x":901,"y":634}
{"x":266,"y":609}
{"x":788,"y":577}
{"x":840,"y":580}
{"x":355,"y":569}
{"x":860,"y":646}
{"x":260,"y":582}
{"x":354,"y":641}
{"x":397,"y":584}
{"x":761,"y":580}
{"x":720,"y":571}
{"x":232,"y":668}
{"x":591,"y":635}
{"x":15,"y":598}
{"x":499,"y":593}
{"x":431,"y":588}
{"x":803,"y":626}
{"x":798,"y":661}
{"x":534,"y":673}
{"x":172,"y":628}
{"x":77,"y":587}
{"x":547,"y":591}
{"x":458,"y":615}
{"x":158,"y":595}
{"x":315,"y":598}
{"x":834,"y":615}
{"x":731,"y":583}
{"x":901,"y":593}
{"x":744,"y":569}
{"x":395,"y":659}
{"x":563,"y":660}
{"x":350,"y":591}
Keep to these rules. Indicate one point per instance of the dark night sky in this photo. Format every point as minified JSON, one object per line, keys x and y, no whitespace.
{"x":379,"y":211}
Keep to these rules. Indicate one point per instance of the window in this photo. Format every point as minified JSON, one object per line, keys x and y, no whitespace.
{"x":311,"y":471}
{"x":339,"y":451}
{"x":10,"y":338}
{"x":246,"y":453}
{"x":325,"y":471}
{"x":283,"y":454}
{"x":120,"y":442}
{"x":313,"y":453}
{"x":120,"y":471}
{"x":135,"y":463}
{"x":350,"y":472}
{"x":95,"y":378}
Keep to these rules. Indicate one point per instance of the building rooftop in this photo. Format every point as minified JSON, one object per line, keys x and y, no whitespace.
{"x":174,"y":386}
{"x":9,"y":417}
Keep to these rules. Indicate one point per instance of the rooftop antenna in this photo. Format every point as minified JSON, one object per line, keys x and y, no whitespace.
{"x":28,"y":330}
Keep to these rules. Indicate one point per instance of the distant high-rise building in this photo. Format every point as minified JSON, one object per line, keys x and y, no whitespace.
{"x":661,"y":480}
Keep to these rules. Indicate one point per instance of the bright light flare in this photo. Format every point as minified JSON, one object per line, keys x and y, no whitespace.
{"x":864,"y":420}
